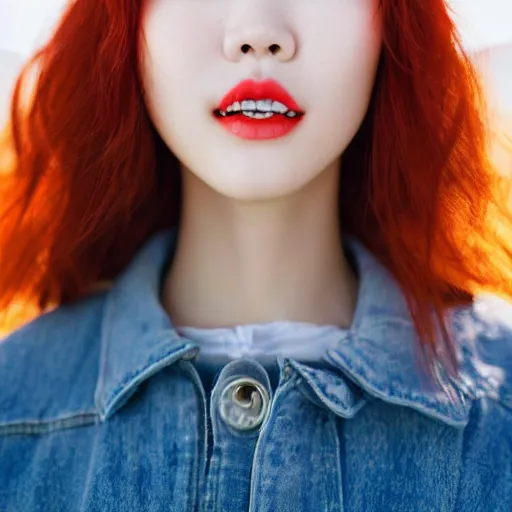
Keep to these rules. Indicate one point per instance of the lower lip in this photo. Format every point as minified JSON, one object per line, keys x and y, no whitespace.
{"x":259,"y":129}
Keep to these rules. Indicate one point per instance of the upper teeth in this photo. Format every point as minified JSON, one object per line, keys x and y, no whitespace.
{"x":257,"y":106}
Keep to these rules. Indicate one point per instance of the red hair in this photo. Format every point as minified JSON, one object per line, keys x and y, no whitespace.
{"x":86,"y":179}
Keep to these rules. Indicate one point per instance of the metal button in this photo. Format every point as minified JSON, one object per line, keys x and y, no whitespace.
{"x":244,"y":404}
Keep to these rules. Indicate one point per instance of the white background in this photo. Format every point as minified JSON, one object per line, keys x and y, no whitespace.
{"x":485,"y":25}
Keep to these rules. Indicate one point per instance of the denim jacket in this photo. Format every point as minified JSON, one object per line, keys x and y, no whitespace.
{"x":103,"y":409}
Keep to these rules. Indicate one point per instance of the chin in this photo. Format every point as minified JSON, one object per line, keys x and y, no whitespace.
{"x":253,"y":193}
{"x":257,"y":191}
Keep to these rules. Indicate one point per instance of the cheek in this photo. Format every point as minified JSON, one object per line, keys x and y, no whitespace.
{"x":341,"y":47}
{"x":173,"y":54}
{"x":341,"y":50}
{"x":352,"y":78}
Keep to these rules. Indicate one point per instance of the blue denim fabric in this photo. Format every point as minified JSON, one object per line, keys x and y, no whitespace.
{"x":102,"y":409}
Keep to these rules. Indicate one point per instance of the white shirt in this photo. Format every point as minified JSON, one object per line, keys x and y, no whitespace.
{"x":264,"y":342}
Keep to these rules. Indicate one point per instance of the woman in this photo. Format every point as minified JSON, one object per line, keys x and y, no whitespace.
{"x":256,"y":235}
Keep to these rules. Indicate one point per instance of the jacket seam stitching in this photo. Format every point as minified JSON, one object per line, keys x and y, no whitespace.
{"x":49,"y":426}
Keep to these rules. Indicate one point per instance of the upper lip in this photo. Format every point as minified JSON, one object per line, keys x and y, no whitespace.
{"x":263,"y":90}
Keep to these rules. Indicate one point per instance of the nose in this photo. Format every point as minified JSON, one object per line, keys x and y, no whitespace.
{"x":259,"y":36}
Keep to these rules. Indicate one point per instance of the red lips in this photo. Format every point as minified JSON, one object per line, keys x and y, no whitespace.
{"x":252,"y":90}
{"x":246,"y":127}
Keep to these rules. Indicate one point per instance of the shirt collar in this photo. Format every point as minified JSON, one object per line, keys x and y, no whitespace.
{"x":377,"y":353}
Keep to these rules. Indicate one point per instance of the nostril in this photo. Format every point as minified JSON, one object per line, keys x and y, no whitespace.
{"x":273,"y":48}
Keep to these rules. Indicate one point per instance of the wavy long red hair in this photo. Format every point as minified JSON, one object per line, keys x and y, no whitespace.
{"x":85,"y":178}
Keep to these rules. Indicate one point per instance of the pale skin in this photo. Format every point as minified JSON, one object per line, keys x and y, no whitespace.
{"x":260,"y":238}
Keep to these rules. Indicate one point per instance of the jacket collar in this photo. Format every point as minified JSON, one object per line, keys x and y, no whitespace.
{"x":381,"y":351}
{"x":138,"y":338}
{"x":377,"y":353}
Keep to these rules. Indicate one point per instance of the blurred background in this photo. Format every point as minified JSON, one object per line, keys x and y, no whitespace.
{"x":485,"y":26}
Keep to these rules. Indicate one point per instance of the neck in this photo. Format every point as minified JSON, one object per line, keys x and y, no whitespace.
{"x":243,"y":262}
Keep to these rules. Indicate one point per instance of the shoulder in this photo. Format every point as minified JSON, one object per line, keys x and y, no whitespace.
{"x":483,"y":333}
{"x":49,"y":367}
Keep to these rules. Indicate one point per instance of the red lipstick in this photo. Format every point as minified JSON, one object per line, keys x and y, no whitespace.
{"x":258,"y":110}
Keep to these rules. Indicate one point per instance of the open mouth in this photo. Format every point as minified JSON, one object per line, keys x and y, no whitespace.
{"x":258,"y":110}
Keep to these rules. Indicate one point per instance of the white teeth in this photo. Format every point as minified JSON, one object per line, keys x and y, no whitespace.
{"x":264,"y":105}
{"x":234,"y":108}
{"x":261,"y":109}
{"x":279,"y":107}
{"x":248,"y":105}
{"x":258,"y":115}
